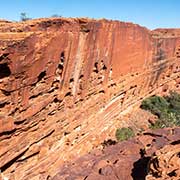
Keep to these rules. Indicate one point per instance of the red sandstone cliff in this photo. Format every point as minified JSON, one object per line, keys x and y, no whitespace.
{"x":64,"y":83}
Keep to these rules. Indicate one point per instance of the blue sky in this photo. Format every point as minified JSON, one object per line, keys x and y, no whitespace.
{"x":149,"y":13}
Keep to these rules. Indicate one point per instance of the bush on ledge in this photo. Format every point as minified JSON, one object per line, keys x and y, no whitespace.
{"x":124,"y":134}
{"x":166,"y":108}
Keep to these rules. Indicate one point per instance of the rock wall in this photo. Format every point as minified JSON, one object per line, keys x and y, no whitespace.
{"x":65,"y":82}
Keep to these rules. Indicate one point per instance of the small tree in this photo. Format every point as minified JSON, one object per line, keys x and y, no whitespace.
{"x":23,"y":17}
{"x":166,"y":108}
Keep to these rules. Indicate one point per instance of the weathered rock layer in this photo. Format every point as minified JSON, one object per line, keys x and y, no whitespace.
{"x":64,"y":83}
{"x":152,"y":155}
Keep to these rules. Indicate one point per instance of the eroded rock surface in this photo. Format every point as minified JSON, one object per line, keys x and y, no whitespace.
{"x":165,"y":164}
{"x":66,"y":83}
{"x":130,"y":159}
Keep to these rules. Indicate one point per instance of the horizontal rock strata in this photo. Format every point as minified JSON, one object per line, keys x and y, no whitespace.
{"x":64,"y":83}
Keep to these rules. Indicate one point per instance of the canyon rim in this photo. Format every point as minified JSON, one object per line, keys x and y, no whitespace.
{"x":67,"y":83}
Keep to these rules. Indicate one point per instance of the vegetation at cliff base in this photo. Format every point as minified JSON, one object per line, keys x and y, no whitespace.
{"x":124,"y":134}
{"x":167,"y":109}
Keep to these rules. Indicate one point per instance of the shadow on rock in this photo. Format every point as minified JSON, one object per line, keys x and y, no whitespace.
{"x":139,"y":171}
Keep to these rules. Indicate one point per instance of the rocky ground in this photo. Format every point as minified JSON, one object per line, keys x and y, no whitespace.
{"x":151,"y":155}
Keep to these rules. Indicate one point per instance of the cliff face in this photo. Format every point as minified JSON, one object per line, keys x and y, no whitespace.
{"x":65,"y":82}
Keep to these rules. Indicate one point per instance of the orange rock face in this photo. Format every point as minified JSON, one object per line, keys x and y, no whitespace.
{"x":65,"y":82}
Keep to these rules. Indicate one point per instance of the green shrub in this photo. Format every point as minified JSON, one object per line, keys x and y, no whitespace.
{"x":166,"y":108}
{"x":155,"y":104}
{"x":124,"y":134}
{"x":174,"y":100}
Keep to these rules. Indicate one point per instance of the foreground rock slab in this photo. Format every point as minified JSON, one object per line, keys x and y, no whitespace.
{"x":132,"y":159}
